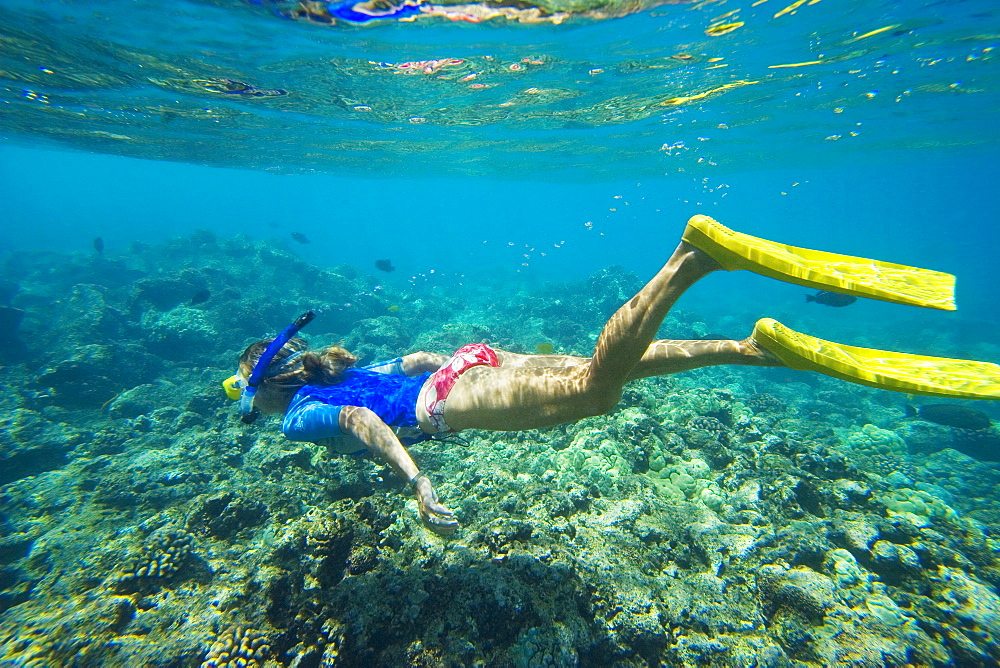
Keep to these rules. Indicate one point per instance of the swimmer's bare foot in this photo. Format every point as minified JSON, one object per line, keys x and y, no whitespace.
{"x":436,"y":517}
{"x":752,"y":350}
{"x":698,"y":259}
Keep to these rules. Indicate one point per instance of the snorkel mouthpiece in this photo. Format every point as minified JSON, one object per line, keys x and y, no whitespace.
{"x":248,"y":414}
{"x":247,"y":411}
{"x":232,"y":386}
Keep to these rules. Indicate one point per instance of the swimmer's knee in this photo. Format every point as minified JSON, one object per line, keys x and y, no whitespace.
{"x":599,"y":401}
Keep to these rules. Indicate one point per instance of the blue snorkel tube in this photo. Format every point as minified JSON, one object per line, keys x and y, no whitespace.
{"x":247,"y":411}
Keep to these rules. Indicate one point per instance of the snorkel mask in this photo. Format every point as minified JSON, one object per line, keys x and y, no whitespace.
{"x":235,"y":387}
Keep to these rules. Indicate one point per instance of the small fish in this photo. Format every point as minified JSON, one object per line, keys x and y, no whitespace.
{"x":827,"y":298}
{"x":384,"y":265}
{"x":951,"y":415}
{"x":200,"y":297}
{"x":301,"y":238}
{"x":99,"y":245}
{"x":545,"y":348}
{"x":393,"y":309}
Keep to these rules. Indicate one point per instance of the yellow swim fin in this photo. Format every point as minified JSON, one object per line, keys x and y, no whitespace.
{"x":900,"y":372}
{"x":849,"y":275}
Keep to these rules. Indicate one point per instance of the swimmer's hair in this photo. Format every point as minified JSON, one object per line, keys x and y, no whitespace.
{"x":326,"y":365}
{"x":313,"y":367}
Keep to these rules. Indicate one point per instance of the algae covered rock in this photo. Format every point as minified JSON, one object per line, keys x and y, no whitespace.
{"x":801,"y":589}
{"x":545,"y":647}
{"x":88,"y":317}
{"x":30,"y":444}
{"x":973,"y":606}
{"x":893,"y":561}
{"x":844,"y":569}
{"x":224,"y":515}
{"x":500,"y":533}
{"x":143,"y":399}
{"x":164,"y":293}
{"x":857,"y":530}
{"x":378,"y":338}
{"x":180,"y":333}
{"x":91,"y":375}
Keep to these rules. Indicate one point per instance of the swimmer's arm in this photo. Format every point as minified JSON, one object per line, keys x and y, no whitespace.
{"x":413,"y":364}
{"x":417,"y":363}
{"x":311,"y":421}
{"x":381,"y":440}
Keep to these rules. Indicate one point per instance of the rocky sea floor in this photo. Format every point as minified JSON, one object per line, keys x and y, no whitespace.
{"x":724,"y":517}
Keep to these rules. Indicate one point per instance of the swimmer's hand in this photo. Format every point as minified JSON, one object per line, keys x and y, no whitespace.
{"x":436,"y":517}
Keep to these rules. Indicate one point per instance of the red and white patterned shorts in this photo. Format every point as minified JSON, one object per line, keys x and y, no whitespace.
{"x":441,"y":382}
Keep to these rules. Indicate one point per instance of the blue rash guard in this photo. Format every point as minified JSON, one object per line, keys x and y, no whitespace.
{"x":314,"y":411}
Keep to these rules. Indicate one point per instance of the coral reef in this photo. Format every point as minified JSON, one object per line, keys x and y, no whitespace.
{"x":725,"y":517}
{"x":237,"y":647}
{"x":161,"y":557}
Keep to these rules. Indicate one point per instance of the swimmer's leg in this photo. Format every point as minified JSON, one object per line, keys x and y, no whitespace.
{"x":512,"y":397}
{"x":630,"y":330}
{"x":514,"y":360}
{"x":420,"y":362}
{"x":668,"y":356}
{"x":663,"y":357}
{"x":533,"y":396}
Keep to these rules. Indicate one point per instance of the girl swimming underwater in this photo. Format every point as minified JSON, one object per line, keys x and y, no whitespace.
{"x":323,"y":396}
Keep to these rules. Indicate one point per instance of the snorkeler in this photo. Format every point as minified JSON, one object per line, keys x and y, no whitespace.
{"x":323,"y":396}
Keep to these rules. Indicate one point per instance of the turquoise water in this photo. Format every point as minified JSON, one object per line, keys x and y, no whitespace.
{"x":523,"y":179}
{"x":883,"y":146}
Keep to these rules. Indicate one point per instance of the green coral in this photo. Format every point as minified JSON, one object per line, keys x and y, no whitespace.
{"x":917,"y":507}
{"x":688,"y":481}
{"x":877,"y":450}
{"x":682,"y":406}
{"x":594,"y":452}
{"x":871,"y":440}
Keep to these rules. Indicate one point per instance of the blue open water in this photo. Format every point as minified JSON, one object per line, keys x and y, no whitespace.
{"x":885,"y":146}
